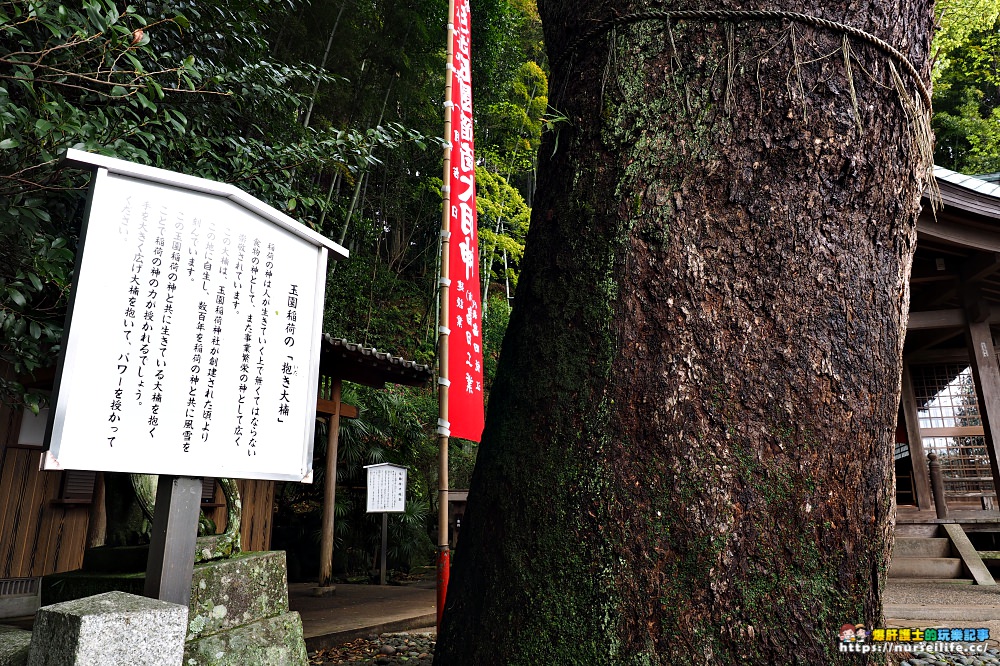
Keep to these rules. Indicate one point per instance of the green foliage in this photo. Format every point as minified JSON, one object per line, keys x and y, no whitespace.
{"x":193,"y":88}
{"x":503,"y":222}
{"x":968,"y":142}
{"x":529,"y":30}
{"x":69,"y":76}
{"x":223,"y":91}
{"x":967,"y":98}
{"x":510,"y":130}
{"x":957,"y":20}
{"x":966,"y":118}
{"x":392,"y":426}
{"x":496,"y":47}
{"x":494,"y":329}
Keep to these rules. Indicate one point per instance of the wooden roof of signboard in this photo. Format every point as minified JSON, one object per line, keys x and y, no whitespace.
{"x":366,"y":365}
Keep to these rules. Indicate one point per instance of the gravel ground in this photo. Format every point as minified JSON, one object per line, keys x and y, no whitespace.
{"x":412,"y":649}
{"x":980,"y":600}
{"x":945,"y":594}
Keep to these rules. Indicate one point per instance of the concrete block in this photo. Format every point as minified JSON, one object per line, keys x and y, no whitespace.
{"x":921,"y":547}
{"x":275,"y":641}
{"x":14,"y":646}
{"x":18,"y":605}
{"x":925,"y":567}
{"x":111,"y":629}
{"x":70,"y":585}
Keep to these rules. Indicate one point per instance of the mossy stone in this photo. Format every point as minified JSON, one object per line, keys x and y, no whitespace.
{"x":274,"y":641}
{"x":237,"y":591}
{"x":14,"y":646}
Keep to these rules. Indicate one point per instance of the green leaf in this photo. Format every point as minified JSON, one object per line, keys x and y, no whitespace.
{"x":35,"y":330}
{"x":16,"y":296}
{"x":135,"y":62}
{"x":7,"y":144}
{"x":145,"y":101}
{"x":35,"y":282}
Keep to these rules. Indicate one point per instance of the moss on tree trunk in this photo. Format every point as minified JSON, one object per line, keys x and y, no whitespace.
{"x":687,"y":456}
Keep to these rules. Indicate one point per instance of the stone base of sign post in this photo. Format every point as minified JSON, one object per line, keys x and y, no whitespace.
{"x":238,"y":612}
{"x":274,"y":641}
{"x":14,"y":646}
{"x":111,"y":629}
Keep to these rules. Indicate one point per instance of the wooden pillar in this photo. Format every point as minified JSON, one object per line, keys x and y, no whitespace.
{"x":172,"y":545}
{"x":937,"y":481}
{"x":918,"y":457}
{"x":97,"y":525}
{"x":986,"y":375}
{"x":330,"y":490}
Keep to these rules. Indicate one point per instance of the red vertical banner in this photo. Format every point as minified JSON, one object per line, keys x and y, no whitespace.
{"x":465,"y":342}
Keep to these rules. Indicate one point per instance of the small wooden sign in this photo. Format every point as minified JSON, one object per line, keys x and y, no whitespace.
{"x":386,"y":488}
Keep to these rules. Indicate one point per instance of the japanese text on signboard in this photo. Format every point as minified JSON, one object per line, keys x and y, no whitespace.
{"x":191,"y":340}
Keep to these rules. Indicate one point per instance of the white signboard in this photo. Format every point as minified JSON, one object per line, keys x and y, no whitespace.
{"x":194,"y":335}
{"x":386,"y":488}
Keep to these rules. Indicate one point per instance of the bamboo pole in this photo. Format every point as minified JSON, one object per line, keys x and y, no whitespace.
{"x":444,"y":554}
{"x":322,"y":65}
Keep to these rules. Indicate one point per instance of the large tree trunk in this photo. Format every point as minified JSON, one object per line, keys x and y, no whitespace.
{"x":687,"y":458}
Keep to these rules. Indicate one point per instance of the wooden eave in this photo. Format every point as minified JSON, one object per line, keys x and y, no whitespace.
{"x":352,"y":362}
{"x":971,"y":196}
{"x":958,"y":248}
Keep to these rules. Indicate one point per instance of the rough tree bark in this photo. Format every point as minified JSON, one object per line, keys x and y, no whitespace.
{"x":687,"y":458}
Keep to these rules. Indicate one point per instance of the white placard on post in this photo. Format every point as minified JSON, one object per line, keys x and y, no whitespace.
{"x":194,"y":332}
{"x":386,"y":488}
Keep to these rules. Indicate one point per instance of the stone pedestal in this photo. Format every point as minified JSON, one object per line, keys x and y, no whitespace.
{"x":238,"y":613}
{"x":111,"y":629}
{"x":14,"y":646}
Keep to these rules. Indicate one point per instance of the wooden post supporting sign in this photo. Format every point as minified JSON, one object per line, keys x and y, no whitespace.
{"x":172,"y":546}
{"x":385,"y":547}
